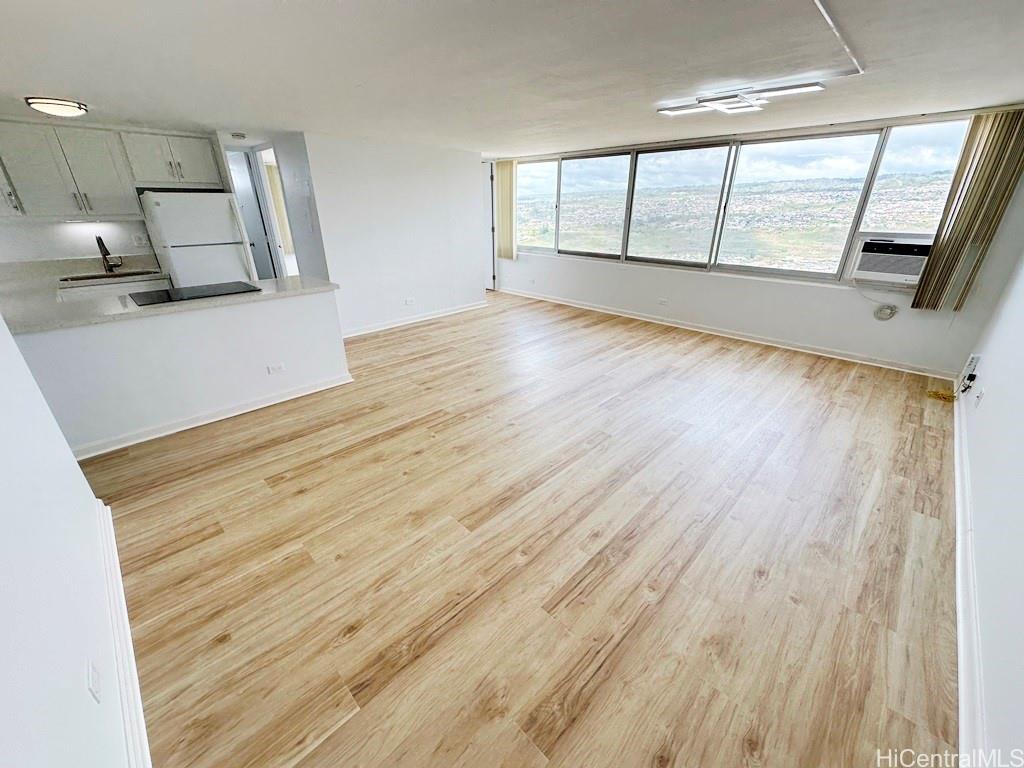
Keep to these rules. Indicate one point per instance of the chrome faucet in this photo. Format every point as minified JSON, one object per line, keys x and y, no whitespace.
{"x":108,"y":265}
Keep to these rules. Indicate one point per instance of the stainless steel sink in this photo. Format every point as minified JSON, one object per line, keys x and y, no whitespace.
{"x":109,"y":276}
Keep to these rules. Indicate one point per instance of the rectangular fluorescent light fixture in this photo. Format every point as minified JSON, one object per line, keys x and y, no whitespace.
{"x":686,"y":109}
{"x":786,"y":90}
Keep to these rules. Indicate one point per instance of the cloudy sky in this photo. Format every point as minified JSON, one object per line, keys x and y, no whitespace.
{"x":911,"y":149}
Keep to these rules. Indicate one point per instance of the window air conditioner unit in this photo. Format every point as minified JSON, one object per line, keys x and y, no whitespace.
{"x":891,"y":262}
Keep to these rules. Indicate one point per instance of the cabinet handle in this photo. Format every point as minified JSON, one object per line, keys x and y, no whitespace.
{"x":78,"y":201}
{"x":88,"y":205}
{"x":180,"y":174}
{"x":170,"y":166}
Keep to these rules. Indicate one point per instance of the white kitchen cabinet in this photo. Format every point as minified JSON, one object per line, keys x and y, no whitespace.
{"x":9,"y":205}
{"x":38,"y":171}
{"x":150,"y":157}
{"x":100,"y":171}
{"x":194,"y":160}
{"x":171,"y":160}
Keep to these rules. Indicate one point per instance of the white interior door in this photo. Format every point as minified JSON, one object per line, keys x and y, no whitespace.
{"x":38,"y":171}
{"x":150,"y":158}
{"x":194,"y":160}
{"x":100,"y":170}
{"x":252,"y":216}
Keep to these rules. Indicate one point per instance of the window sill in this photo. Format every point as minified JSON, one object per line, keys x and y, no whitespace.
{"x":828,"y":280}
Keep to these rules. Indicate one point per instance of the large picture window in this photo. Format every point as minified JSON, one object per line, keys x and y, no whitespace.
{"x":914,"y":178}
{"x":536,"y":195}
{"x":793,"y":202}
{"x":783,"y":205}
{"x":675,"y":204}
{"x":592,"y":206}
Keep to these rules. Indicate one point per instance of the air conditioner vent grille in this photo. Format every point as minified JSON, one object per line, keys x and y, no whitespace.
{"x":891,"y":264}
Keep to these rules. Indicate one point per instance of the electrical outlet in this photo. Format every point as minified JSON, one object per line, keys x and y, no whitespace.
{"x":92,"y":681}
{"x":663,"y":301}
{"x":140,"y":239}
{"x":275,"y":368}
{"x":410,"y":301}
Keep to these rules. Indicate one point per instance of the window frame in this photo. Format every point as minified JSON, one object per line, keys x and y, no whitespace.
{"x":558,"y":186}
{"x":701,"y":265}
{"x":735,"y":142}
{"x":851,"y":232}
{"x":626,"y":213}
{"x":887,"y":131}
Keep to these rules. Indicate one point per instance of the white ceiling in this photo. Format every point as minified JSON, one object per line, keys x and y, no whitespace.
{"x":503,"y":77}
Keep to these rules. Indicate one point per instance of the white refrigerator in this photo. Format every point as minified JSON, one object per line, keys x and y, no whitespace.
{"x":198,"y":237}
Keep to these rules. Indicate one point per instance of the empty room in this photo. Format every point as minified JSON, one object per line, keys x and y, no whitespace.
{"x":512,"y":385}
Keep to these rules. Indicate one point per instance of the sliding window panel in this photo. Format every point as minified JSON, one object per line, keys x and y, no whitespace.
{"x":536,"y":199}
{"x":793,"y":203}
{"x":675,"y":204}
{"x":592,"y":205}
{"x":914,"y":178}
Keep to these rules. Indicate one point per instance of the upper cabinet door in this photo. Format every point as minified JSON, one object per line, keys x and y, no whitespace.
{"x":100,"y":170}
{"x":9,"y":205}
{"x":38,"y":171}
{"x":194,"y":161}
{"x":150,"y":158}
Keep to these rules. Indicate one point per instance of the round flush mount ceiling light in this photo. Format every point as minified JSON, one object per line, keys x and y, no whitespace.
{"x":56,"y":107}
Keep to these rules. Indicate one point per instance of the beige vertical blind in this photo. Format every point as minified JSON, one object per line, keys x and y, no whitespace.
{"x":985,"y":179}
{"x":505,"y":208}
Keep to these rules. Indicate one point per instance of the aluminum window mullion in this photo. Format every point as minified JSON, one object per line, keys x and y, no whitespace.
{"x":728,"y":175}
{"x":558,"y":200}
{"x":630,"y":182}
{"x":862,"y":202}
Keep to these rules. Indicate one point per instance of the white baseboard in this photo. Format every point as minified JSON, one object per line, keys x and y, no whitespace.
{"x":969,"y":670}
{"x":772,"y":342}
{"x":136,"y":740}
{"x":367,"y":329}
{"x":122,"y":441}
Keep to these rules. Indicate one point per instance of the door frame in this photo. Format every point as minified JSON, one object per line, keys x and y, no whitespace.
{"x":259,"y":175}
{"x":260,"y":184}
{"x":494,"y":260}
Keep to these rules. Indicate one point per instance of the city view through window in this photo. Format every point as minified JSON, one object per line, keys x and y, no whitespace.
{"x":791,"y":206}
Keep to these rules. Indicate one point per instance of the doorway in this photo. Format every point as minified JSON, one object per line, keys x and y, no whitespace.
{"x":491,"y":277}
{"x":258,"y":189}
{"x":252,"y":216}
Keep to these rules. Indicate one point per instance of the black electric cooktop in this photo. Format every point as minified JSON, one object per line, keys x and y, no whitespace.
{"x":145,"y":298}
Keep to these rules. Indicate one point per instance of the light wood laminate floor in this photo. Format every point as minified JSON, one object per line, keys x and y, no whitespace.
{"x":533,"y":535}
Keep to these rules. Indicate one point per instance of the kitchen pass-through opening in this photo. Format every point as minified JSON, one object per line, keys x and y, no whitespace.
{"x":259,"y":192}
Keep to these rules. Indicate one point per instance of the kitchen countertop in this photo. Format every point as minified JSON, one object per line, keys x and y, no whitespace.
{"x":31,"y":306}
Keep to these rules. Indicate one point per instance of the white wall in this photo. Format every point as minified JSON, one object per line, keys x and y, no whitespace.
{"x":829,"y":318}
{"x":401,"y":229}
{"x":117,"y":383}
{"x":30,"y":240}
{"x":53,"y":602}
{"x":992,"y":431}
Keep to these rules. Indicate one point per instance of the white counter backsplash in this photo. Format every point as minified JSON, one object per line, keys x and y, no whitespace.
{"x":27,"y":240}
